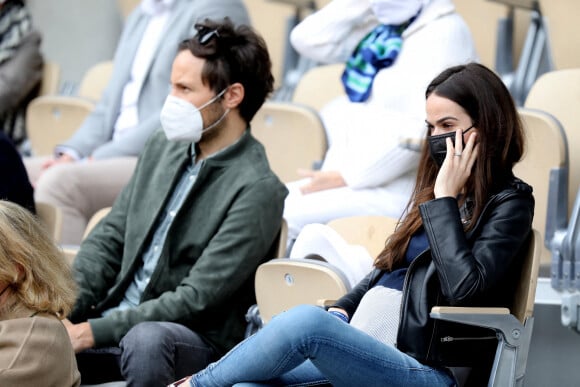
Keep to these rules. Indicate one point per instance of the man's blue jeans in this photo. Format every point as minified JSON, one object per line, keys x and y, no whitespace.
{"x":307,"y":346}
{"x":151,"y":354}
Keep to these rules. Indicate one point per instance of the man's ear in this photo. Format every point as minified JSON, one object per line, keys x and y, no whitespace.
{"x":234,"y":95}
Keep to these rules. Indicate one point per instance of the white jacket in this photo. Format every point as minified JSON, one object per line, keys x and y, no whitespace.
{"x":365,"y":138}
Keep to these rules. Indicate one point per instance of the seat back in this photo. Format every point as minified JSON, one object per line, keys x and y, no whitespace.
{"x":561,"y":18}
{"x":292,"y":135}
{"x":513,"y":327}
{"x":52,"y":119}
{"x":284,"y":283}
{"x":50,"y":78}
{"x":51,"y":217}
{"x":282,"y":240}
{"x":481,"y":16}
{"x":368,"y":231}
{"x":95,"y":219}
{"x":95,"y":80}
{"x":558,"y":93}
{"x":525,"y":294}
{"x":127,"y":6}
{"x":545,"y":167}
{"x":319,"y":85}
{"x":273,"y":20}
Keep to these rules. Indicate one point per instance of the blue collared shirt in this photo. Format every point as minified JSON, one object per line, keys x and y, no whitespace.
{"x":152,"y":253}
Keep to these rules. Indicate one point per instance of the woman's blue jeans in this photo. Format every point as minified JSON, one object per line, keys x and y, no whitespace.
{"x":307,"y":346}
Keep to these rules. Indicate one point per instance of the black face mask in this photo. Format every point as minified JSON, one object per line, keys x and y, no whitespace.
{"x":438,"y":145}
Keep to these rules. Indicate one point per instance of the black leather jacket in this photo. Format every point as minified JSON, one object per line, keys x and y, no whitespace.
{"x":478,"y":268}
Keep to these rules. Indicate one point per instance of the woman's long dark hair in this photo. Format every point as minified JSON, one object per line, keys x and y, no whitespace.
{"x":485,"y":98}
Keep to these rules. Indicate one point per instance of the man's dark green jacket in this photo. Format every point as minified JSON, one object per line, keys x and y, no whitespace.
{"x":204,"y":278}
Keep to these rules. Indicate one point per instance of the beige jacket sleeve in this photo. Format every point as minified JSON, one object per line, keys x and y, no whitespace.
{"x":36,"y":351}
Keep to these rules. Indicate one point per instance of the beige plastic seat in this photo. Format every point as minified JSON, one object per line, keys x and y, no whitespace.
{"x":51,"y":217}
{"x":50,"y":78}
{"x":369,"y":231}
{"x":513,"y":327}
{"x":53,"y":119}
{"x":563,"y":29}
{"x":319,"y":85}
{"x":95,"y":80}
{"x":127,"y":6}
{"x":95,"y":219}
{"x":70,"y":252}
{"x":558,"y":93}
{"x":271,"y":20}
{"x":546,"y":171}
{"x":284,"y":283}
{"x":481,"y":16}
{"x":293,"y":136}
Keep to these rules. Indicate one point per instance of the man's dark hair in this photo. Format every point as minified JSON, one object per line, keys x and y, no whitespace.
{"x":233,"y":54}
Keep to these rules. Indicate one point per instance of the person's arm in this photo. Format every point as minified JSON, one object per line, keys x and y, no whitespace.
{"x":331,"y":34}
{"x":321,"y":180}
{"x":466,"y":271}
{"x":94,"y":132}
{"x":80,"y":335}
{"x":229,"y":260}
{"x":377,"y":151}
{"x":20,"y":74}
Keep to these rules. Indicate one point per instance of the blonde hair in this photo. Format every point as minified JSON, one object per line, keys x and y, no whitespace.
{"x":32,"y":264}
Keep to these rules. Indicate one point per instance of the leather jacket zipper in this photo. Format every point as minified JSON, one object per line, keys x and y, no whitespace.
{"x":448,"y":339}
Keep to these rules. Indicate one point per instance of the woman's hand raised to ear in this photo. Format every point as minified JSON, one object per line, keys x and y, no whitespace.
{"x":457,"y":166}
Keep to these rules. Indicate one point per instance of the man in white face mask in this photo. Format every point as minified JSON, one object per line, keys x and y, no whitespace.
{"x":166,"y":278}
{"x":89,"y":170}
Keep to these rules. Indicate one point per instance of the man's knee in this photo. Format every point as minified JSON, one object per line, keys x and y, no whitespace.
{"x":146,"y":334}
{"x":54,"y":181}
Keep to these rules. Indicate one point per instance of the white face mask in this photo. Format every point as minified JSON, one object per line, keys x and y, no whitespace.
{"x":181,"y":121}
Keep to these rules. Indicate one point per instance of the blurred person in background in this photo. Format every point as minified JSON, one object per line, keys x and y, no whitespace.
{"x":14,"y":183}
{"x":90,"y":169}
{"x":392,"y":50}
{"x":20,"y":68}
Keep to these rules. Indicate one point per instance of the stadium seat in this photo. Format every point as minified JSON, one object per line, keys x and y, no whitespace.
{"x":513,"y":327}
{"x":365,"y":230}
{"x":52,"y":119}
{"x":546,"y":172}
{"x":51,"y":217}
{"x":50,"y":78}
{"x":558,"y":93}
{"x":319,"y":85}
{"x":293,"y":136}
{"x":70,"y":252}
{"x":95,"y":80}
{"x":283,"y":283}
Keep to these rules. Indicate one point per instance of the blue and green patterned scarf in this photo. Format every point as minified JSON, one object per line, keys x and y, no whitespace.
{"x":377,"y":50}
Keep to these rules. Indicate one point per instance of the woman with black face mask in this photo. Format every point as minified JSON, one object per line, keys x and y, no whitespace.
{"x":460,"y":242}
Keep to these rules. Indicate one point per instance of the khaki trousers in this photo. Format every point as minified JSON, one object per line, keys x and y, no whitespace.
{"x":79,"y":189}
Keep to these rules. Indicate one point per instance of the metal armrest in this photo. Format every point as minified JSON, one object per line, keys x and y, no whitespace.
{"x":514,"y":338}
{"x":498,"y":319}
